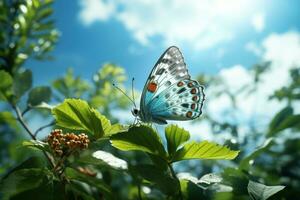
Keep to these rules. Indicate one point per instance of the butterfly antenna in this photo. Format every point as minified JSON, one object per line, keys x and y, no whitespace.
{"x":132,"y":91}
{"x":123,"y":93}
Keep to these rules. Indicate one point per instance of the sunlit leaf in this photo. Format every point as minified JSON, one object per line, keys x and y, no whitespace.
{"x":141,"y":138}
{"x":258,"y":191}
{"x":22,"y":82}
{"x":204,"y":182}
{"x":78,"y":115}
{"x":204,"y":150}
{"x":111,"y":160}
{"x":175,"y":137}
{"x":39,"y":95}
{"x":115,"y":128}
{"x":210,"y":178}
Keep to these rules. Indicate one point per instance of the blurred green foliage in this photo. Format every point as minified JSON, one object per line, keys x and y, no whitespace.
{"x":124,"y":161}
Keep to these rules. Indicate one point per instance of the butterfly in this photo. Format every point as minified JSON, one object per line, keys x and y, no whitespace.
{"x":169,"y":92}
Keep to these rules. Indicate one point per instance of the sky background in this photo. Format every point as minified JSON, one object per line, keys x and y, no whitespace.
{"x":211,"y":34}
{"x":223,"y":38}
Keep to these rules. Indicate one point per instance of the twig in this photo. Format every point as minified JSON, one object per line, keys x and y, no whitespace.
{"x":28,"y":108}
{"x":25,"y":126}
{"x":43,"y":127}
{"x":175,"y":177}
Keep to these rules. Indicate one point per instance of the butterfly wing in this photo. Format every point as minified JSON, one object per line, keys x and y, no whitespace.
{"x":169,"y":93}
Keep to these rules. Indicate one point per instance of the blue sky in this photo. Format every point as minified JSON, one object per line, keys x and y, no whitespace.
{"x":212,"y":34}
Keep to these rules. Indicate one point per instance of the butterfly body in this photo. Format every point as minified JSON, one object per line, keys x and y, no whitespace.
{"x":169,"y":92}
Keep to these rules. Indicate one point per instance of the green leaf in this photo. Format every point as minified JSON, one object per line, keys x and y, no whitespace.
{"x":22,"y":82}
{"x":191,"y":191}
{"x":142,"y":138}
{"x":258,"y":191}
{"x":246,"y":162}
{"x":73,"y":174}
{"x":175,"y":137}
{"x":39,"y":95}
{"x":78,"y":115}
{"x":115,"y":128}
{"x":5,"y":86}
{"x":204,"y":150}
{"x":292,"y":121}
{"x":206,"y":181}
{"x":278,"y":119}
{"x":22,"y":180}
{"x":36,"y":144}
{"x":156,"y":176}
{"x":111,"y":160}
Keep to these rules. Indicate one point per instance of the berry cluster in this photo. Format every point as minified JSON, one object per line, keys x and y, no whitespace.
{"x":62,"y":143}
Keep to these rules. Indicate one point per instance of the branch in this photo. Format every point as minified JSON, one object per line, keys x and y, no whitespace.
{"x":28,"y":108}
{"x":25,"y":126}
{"x":43,"y":127}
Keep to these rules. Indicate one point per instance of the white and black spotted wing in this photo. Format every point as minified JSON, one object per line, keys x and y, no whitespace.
{"x":169,"y":93}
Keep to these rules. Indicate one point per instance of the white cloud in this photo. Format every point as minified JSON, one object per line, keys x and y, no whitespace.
{"x":258,"y":22}
{"x":93,"y":10}
{"x":254,"y":48}
{"x":253,"y":106}
{"x":201,"y":24}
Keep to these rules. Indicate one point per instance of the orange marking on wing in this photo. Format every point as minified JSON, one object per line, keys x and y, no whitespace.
{"x":189,"y":114}
{"x":151,"y":87}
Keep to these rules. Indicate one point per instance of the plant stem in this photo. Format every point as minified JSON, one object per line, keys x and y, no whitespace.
{"x":25,"y":126}
{"x":140,"y":192}
{"x":42,"y":127}
{"x":175,"y":177}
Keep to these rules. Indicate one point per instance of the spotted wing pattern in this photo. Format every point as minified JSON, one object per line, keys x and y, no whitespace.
{"x":169,"y":93}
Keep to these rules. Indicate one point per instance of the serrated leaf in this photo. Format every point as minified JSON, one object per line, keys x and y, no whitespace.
{"x":210,"y":178}
{"x":207,"y":179}
{"x":5,"y":86}
{"x":38,"y":95}
{"x":78,"y":115}
{"x":175,"y":137}
{"x":204,"y":150}
{"x":115,"y":128}
{"x":111,"y":160}
{"x":22,"y":83}
{"x":258,"y":191}
{"x":142,"y":138}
